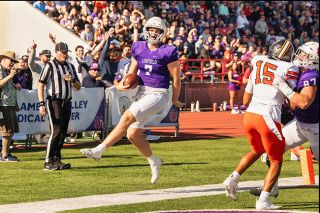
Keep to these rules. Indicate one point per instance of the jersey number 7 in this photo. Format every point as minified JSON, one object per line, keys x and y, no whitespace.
{"x":266,"y":74}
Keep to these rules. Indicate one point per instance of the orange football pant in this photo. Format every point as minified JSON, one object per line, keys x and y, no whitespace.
{"x":262,"y":138}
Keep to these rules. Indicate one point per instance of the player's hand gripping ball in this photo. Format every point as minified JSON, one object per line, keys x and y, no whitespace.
{"x":131,"y":79}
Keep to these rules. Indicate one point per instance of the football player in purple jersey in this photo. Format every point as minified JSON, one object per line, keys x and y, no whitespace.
{"x":304,"y":102}
{"x":155,"y":63}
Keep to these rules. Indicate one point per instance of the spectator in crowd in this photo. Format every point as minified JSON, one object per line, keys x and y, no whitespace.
{"x":93,"y":79}
{"x":113,"y":14}
{"x":208,"y":70}
{"x":205,"y":35}
{"x":98,"y":34}
{"x":58,"y":105}
{"x":242,"y":23}
{"x":87,"y":34}
{"x":108,"y":60}
{"x":217,"y":53}
{"x":183,"y":34}
{"x":36,"y":68}
{"x":149,"y":11}
{"x":199,"y":45}
{"x":261,"y":28}
{"x":123,"y":65}
{"x":224,"y":12}
{"x":122,"y":29}
{"x":23,"y":78}
{"x":136,"y":17}
{"x":194,"y":33}
{"x":8,"y":104}
{"x":40,"y":5}
{"x":183,"y":67}
{"x":189,"y":48}
{"x":81,"y":63}
{"x":66,"y":21}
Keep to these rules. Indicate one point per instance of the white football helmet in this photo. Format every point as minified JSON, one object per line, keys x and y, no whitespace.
{"x":154,"y":22}
{"x":307,"y":56}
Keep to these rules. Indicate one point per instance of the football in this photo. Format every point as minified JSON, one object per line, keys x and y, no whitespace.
{"x":131,"y":79}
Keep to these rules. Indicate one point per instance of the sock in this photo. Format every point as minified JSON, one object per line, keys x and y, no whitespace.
{"x":99,"y":148}
{"x":276,"y":185}
{"x":151,"y":159}
{"x":5,"y":146}
{"x":264,"y":195}
{"x":235,"y":174}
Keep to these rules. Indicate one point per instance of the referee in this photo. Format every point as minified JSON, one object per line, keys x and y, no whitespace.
{"x":59,"y":77}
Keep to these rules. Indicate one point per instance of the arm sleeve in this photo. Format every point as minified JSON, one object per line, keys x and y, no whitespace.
{"x":74,"y":73}
{"x":104,"y":52}
{"x":45,"y":73}
{"x":133,"y":50}
{"x":292,"y":76}
{"x":31,"y":62}
{"x":173,"y":56}
{"x":98,"y":83}
{"x":249,"y":87}
{"x":247,"y":73}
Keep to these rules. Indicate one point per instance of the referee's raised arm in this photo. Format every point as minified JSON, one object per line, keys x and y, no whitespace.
{"x":58,"y":77}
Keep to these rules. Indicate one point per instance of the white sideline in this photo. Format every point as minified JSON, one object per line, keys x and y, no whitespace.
{"x":137,"y":197}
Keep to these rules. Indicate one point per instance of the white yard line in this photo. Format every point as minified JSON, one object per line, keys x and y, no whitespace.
{"x":136,"y":197}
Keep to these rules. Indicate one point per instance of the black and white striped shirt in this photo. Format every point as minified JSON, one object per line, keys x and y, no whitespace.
{"x":52,"y":75}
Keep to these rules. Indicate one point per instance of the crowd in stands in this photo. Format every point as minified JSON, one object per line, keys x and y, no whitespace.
{"x":224,"y":32}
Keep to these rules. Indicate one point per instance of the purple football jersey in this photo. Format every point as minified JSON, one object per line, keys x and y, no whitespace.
{"x":152,"y":65}
{"x":311,"y":114}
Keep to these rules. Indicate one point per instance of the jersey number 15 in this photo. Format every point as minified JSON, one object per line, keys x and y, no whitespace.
{"x":265,"y":75}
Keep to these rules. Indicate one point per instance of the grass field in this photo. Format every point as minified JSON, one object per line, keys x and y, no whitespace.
{"x":187,"y":163}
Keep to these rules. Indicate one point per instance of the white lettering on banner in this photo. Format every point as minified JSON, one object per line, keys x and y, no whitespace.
{"x":85,"y":113}
{"x":79,"y":104}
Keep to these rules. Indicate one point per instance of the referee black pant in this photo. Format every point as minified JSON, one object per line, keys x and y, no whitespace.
{"x":59,"y":112}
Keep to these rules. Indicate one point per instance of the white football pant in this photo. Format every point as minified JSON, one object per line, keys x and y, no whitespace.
{"x":147,"y":102}
{"x":297,"y":133}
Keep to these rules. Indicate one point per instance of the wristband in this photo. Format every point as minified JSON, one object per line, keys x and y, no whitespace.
{"x":42,"y":103}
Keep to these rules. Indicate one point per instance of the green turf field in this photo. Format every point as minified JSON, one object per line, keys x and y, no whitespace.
{"x":123,"y":169}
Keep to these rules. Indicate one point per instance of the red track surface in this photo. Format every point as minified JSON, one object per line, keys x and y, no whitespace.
{"x":205,"y":125}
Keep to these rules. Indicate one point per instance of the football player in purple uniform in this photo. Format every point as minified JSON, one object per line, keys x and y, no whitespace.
{"x":155,"y":63}
{"x":304,"y":102}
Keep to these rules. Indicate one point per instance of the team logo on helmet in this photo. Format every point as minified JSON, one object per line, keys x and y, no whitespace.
{"x":281,"y":50}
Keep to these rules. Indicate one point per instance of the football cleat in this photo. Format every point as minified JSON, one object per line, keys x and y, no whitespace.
{"x":91,"y":153}
{"x":155,"y":169}
{"x":231,"y":187}
{"x":266,"y":205}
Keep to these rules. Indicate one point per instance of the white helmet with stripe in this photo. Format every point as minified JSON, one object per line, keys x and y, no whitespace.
{"x":281,"y":50}
{"x":158,"y":23}
{"x":307,"y":56}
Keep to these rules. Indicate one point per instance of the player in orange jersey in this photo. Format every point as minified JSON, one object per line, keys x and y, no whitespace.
{"x":262,"y":119}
